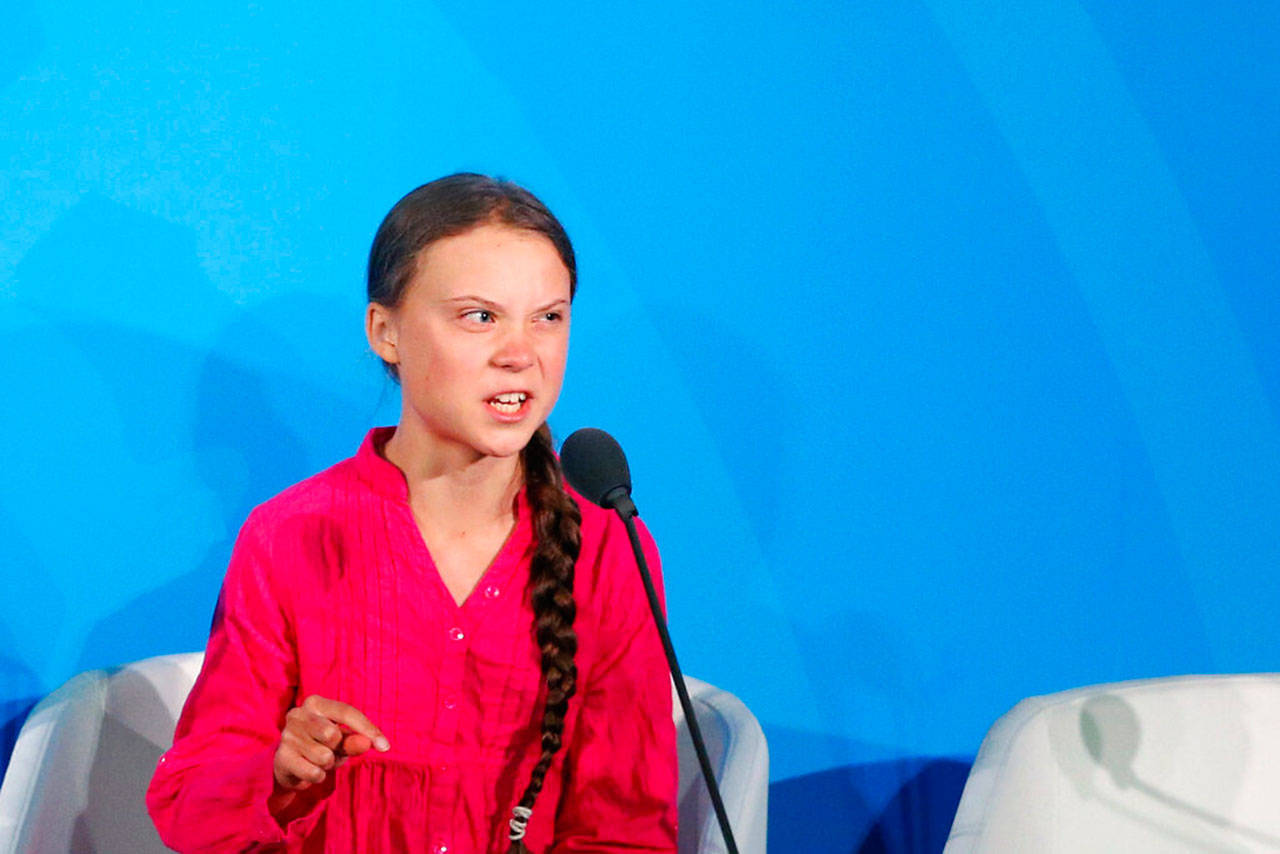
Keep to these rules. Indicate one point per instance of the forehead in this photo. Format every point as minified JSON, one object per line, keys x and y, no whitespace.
{"x":491,"y":261}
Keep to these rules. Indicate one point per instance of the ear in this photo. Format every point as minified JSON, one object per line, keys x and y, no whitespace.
{"x":380,"y":329}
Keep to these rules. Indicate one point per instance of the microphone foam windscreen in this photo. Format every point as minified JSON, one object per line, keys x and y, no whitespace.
{"x":594,"y":464}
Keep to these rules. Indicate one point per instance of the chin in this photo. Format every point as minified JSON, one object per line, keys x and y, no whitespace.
{"x":503,"y":452}
{"x":508,"y":446}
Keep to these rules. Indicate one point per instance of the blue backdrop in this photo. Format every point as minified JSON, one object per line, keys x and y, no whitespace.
{"x":942,"y":336}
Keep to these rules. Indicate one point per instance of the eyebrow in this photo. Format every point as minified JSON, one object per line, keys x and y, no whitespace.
{"x":473,"y":298}
{"x":491,"y":304}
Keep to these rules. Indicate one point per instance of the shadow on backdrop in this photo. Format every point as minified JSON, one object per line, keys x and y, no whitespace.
{"x":245,"y":441}
{"x":21,"y":693}
{"x":200,"y":402}
{"x":844,"y":810}
{"x":20,"y":687}
{"x":233,"y":461}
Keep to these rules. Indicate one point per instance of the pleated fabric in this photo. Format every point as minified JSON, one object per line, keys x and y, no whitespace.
{"x":332,"y":591}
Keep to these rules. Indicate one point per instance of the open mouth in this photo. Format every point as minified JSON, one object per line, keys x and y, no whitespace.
{"x":509,"y":402}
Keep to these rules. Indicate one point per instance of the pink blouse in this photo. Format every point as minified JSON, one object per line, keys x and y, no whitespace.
{"x":331,"y":591}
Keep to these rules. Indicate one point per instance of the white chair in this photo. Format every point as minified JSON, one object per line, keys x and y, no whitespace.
{"x":79,"y":772}
{"x":1186,"y":763}
{"x":740,"y":758}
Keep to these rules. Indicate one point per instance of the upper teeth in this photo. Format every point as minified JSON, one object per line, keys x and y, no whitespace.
{"x":511,"y":397}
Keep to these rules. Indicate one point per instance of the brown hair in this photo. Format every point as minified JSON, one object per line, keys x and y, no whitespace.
{"x":443,"y":208}
{"x":449,"y":206}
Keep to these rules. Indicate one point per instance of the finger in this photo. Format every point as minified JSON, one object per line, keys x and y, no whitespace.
{"x":309,"y":725}
{"x":323,"y":731}
{"x":295,"y":772}
{"x":310,"y":742}
{"x":314,"y":752}
{"x":350,"y":716}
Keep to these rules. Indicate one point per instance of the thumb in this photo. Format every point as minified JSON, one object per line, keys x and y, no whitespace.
{"x":355,"y":743}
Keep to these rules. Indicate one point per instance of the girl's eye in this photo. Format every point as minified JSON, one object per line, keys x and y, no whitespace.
{"x":553,"y":316}
{"x":479,"y":315}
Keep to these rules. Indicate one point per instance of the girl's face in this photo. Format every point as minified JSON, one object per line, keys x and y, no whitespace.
{"x":480,"y":339}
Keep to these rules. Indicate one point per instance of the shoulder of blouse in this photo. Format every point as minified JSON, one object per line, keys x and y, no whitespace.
{"x":599,"y":526}
{"x":314,"y":494}
{"x":606,"y":565}
{"x":296,"y":530}
{"x":339,"y":492}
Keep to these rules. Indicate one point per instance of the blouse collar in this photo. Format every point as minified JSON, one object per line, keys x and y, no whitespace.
{"x":386,"y":479}
{"x":376,"y":470}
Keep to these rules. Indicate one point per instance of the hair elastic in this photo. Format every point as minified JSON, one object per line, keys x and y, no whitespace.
{"x":519,"y":822}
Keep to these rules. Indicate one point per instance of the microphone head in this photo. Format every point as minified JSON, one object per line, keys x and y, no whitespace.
{"x":594,"y":464}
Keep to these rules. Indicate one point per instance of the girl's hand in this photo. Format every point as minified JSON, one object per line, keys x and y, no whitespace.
{"x":314,"y":742}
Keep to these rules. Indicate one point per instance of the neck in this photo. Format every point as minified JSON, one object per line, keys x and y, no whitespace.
{"x":454,"y":484}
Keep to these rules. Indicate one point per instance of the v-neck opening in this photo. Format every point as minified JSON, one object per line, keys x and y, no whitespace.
{"x":501,"y":558}
{"x":488,"y":570}
{"x":386,"y":478}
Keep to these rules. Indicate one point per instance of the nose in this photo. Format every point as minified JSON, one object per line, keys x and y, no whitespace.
{"x":515,"y":352}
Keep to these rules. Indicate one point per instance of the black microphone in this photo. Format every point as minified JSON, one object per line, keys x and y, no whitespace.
{"x":595,"y":466}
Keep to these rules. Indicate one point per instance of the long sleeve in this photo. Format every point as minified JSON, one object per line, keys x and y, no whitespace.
{"x":210,"y":791}
{"x":621,"y":772}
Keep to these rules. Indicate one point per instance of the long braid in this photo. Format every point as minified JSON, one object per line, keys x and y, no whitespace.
{"x":557,"y":525}
{"x":450,"y":206}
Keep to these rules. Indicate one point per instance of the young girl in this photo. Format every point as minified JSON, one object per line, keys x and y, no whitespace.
{"x":435,"y":645}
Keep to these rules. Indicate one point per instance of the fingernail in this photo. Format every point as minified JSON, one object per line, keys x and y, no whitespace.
{"x":382,"y":744}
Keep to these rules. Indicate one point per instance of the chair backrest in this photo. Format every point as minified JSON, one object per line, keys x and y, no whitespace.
{"x":1187,"y":763}
{"x":79,"y":772}
{"x":740,"y":758}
